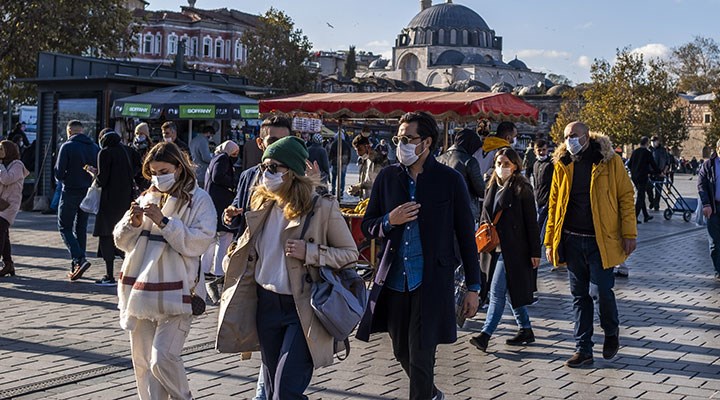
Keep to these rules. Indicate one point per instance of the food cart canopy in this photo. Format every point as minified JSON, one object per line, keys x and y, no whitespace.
{"x":457,"y":106}
{"x":186,"y":102}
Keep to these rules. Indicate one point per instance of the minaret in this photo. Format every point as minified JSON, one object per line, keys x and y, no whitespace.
{"x":425,"y":4}
{"x":191,"y":3}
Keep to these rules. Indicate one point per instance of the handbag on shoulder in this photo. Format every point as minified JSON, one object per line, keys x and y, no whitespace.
{"x":486,"y":236}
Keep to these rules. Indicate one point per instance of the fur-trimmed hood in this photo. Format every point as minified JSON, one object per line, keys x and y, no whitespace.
{"x":600,"y":144}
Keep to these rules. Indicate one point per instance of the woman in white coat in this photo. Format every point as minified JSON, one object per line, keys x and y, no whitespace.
{"x":12,"y":176}
{"x":163,"y":235}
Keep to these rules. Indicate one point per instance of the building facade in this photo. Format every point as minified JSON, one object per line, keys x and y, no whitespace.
{"x":211,"y":37}
{"x":447,"y":43}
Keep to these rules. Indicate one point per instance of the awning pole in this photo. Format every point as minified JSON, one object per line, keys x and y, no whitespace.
{"x":446,"y":135}
{"x":338,"y":183}
{"x":189,"y":132}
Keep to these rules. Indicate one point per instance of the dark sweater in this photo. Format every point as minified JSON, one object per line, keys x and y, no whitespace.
{"x":74,"y":154}
{"x":642,"y":165}
{"x":542,"y":175}
{"x":578,"y":217}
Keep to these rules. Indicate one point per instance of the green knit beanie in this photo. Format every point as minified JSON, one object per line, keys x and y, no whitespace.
{"x":290,"y":151}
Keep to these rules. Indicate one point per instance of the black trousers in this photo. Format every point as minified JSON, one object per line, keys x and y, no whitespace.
{"x":287,"y":363}
{"x":641,"y":189}
{"x":107,"y":248}
{"x":5,"y":248}
{"x":403,"y":325}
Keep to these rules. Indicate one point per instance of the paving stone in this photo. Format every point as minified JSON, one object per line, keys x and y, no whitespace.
{"x":668,"y":313}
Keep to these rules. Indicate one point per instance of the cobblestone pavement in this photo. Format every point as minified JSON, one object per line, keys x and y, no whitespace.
{"x":61,"y":340}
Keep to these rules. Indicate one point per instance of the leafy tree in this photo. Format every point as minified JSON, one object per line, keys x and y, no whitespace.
{"x":570,"y":107}
{"x":350,"y":64}
{"x":712,"y":131}
{"x":631,"y":99}
{"x":696,"y":65}
{"x":559,"y":79}
{"x":80,"y":27}
{"x":277,"y":53}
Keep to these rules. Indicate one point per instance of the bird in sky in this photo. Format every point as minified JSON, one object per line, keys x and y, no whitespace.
{"x":328,"y":24}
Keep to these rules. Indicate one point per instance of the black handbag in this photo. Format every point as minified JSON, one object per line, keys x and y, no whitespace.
{"x":196,"y":303}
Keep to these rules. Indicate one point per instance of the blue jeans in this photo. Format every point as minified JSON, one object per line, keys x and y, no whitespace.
{"x":72,"y":222}
{"x":260,"y":387}
{"x":334,"y":172}
{"x":287,"y":363}
{"x":498,"y":296}
{"x":713,"y":227}
{"x":586,"y":273}
{"x":54,"y":204}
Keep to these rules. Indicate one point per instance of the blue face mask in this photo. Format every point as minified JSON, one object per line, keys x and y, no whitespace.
{"x":573,"y":145}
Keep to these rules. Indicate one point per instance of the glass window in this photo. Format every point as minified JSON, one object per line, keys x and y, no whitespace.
{"x":172,"y":44}
{"x":453,"y":36}
{"x":192,"y":50}
{"x":707,"y":118}
{"x":158,"y":43}
{"x":219,"y":48}
{"x":207,"y":45}
{"x":84,"y":110}
{"x":441,"y":36}
{"x":148,"y":46}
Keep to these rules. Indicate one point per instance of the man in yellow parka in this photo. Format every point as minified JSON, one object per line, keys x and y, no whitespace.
{"x":591,"y":228}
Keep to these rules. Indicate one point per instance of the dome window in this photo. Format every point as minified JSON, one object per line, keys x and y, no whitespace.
{"x":453,"y":36}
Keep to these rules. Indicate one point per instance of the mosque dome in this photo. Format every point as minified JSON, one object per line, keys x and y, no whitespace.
{"x":517,"y":64}
{"x":448,"y":16}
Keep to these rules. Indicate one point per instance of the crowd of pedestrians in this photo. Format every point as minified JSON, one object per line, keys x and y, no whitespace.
{"x":190,"y":223}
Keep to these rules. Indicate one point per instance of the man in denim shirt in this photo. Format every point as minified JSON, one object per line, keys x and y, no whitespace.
{"x":419,"y":207}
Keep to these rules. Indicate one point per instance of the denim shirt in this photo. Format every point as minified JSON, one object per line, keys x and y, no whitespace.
{"x":406,"y":270}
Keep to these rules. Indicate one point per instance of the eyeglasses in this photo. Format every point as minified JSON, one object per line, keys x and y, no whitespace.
{"x":403,"y":139}
{"x":272,"y":167}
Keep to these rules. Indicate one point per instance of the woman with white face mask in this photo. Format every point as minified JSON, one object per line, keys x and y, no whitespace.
{"x":269,"y":273}
{"x":510,"y":267}
{"x":163,"y":235}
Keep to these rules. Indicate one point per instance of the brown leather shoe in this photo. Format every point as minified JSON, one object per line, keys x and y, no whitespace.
{"x":579,"y":360}
{"x":8,"y":269}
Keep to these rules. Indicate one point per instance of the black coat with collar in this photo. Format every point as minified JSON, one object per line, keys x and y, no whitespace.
{"x":444,"y":214}
{"x":519,"y":238}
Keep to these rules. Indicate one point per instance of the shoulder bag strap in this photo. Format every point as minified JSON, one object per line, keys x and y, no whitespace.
{"x":497,"y":217}
{"x":306,"y":225}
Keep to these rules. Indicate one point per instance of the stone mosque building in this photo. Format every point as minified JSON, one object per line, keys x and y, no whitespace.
{"x":447,"y":43}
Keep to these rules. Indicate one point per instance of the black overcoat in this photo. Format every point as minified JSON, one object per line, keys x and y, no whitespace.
{"x":444,"y":214}
{"x":519,"y":238}
{"x":220,"y":184}
{"x":116,"y":171}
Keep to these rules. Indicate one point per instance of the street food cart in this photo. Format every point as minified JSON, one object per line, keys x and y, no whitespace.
{"x":444,"y":106}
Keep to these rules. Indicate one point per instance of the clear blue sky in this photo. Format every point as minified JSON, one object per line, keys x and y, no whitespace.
{"x":550,"y":36}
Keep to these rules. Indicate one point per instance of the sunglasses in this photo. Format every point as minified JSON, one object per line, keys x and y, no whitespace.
{"x":272,"y":167}
{"x":403,"y":139}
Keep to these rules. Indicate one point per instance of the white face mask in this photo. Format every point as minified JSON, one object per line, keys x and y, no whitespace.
{"x":573,"y":145}
{"x":168,"y":139}
{"x":164,"y":182}
{"x":542,"y":158}
{"x":503,"y":173}
{"x":273,"y":181}
{"x":406,"y":154}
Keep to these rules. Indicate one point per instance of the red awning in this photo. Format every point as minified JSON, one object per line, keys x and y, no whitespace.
{"x":457,"y":106}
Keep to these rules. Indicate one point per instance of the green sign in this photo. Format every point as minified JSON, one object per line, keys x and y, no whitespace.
{"x":249,"y":111}
{"x":139,"y":110}
{"x":197,"y":112}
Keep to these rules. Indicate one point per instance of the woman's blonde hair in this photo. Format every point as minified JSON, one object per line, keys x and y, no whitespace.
{"x":295,"y":195}
{"x":185,"y":175}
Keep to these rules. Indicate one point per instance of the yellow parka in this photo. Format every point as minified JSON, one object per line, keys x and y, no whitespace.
{"x":611,"y":201}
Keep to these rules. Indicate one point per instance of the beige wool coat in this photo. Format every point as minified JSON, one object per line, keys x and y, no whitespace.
{"x":328,"y":242}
